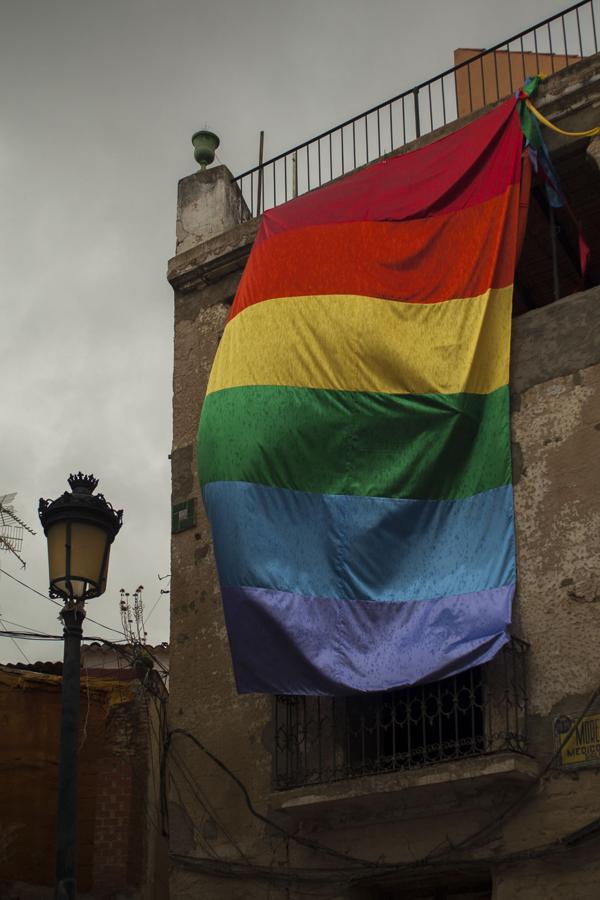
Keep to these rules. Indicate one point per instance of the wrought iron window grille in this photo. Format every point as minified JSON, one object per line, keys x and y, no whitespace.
{"x":480,"y":711}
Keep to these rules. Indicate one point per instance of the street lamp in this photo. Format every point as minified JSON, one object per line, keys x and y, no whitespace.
{"x":79,"y":528}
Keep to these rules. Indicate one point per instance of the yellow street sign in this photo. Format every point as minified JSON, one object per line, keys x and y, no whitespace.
{"x":582,"y":744}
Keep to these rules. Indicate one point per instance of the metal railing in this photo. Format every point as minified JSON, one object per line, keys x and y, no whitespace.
{"x":480,"y":711}
{"x":482,"y":78}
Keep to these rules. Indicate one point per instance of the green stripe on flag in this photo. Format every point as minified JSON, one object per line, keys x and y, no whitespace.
{"x":415,"y":446}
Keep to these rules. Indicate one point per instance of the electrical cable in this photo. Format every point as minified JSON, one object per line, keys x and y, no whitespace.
{"x":41,"y":636}
{"x":102,"y":625}
{"x":151,"y":815}
{"x":330,"y":881}
{"x":31,"y":636}
{"x":510,"y":809}
{"x":159,"y":742}
{"x":233,"y":869}
{"x":433,"y":858}
{"x":349,"y":874}
{"x":155,"y":659}
{"x":470,"y":839}
{"x":305,"y":842}
{"x":28,"y":586}
{"x":56,"y":602}
{"x":200,"y":797}
{"x":198,"y":827}
{"x":207,"y":806}
{"x":21,"y":651}
{"x":153,"y":607}
{"x":336,"y":875}
{"x":424,"y":865}
{"x":158,"y":737}
{"x":18,"y":625}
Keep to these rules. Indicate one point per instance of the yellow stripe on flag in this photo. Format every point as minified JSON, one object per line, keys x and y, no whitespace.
{"x":368,"y":344}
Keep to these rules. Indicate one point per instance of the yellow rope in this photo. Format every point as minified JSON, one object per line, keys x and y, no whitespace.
{"x":591,"y":132}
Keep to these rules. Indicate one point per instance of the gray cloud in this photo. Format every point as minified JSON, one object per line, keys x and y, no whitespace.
{"x":99,"y":104}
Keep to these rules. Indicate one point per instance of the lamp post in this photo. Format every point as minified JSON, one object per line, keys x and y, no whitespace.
{"x":79,"y":528}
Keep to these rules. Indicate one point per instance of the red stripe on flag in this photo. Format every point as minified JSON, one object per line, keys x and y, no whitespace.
{"x":464,"y":168}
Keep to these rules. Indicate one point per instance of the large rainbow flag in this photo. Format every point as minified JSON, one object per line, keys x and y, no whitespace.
{"x":354,"y":443}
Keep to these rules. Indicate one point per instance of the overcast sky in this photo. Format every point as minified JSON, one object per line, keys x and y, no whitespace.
{"x":99,"y":102}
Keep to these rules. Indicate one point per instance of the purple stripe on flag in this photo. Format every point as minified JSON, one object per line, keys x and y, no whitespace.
{"x":284,"y":643}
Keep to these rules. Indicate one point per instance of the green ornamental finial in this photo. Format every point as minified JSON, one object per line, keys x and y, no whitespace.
{"x":205,"y":143}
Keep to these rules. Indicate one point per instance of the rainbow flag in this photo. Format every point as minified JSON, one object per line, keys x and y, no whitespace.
{"x":354,"y":443}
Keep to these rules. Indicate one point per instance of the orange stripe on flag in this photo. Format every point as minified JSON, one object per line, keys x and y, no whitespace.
{"x":458,"y":254}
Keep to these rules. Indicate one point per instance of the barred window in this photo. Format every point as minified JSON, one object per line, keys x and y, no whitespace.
{"x":482,"y":710}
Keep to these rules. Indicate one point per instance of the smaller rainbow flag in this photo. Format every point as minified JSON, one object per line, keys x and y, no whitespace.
{"x":354,"y":443}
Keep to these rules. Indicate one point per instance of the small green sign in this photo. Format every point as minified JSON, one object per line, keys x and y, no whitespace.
{"x":183,"y":515}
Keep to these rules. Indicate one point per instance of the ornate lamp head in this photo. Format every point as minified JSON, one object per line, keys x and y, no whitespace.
{"x":80,"y":526}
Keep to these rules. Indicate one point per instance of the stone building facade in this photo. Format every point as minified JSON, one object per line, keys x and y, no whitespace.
{"x":505,"y":815}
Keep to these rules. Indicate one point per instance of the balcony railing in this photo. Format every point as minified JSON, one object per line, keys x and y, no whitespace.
{"x":480,"y":711}
{"x":474,"y":82}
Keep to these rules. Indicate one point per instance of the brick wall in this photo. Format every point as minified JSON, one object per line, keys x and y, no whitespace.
{"x":118,"y":785}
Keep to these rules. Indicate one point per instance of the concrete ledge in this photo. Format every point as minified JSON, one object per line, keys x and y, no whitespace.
{"x":571,"y":99}
{"x":373,"y":793}
{"x":213,"y":259}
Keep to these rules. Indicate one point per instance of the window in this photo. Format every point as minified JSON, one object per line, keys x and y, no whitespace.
{"x":482,"y":710}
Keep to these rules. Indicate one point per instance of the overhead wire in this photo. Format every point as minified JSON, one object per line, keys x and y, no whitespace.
{"x":152,"y":816}
{"x":333,"y":875}
{"x":56,"y":602}
{"x":470,"y":839}
{"x":155,"y":659}
{"x":30,"y":588}
{"x":199,"y":831}
{"x":30,"y":636}
{"x":199,"y":795}
{"x":102,"y":625}
{"x":355,"y":872}
{"x":206,"y":805}
{"x":153,"y":607}
{"x":42,"y":636}
{"x":329,"y":878}
{"x":20,"y":649}
{"x":524,"y":795}
{"x":159,"y":743}
{"x":305,"y":842}
{"x":158,"y":738}
{"x":435,"y":858}
{"x":18,"y":624}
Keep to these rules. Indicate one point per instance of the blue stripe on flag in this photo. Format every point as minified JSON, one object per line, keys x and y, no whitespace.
{"x":361,"y":548}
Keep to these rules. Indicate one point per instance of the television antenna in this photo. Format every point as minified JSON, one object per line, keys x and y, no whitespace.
{"x":132,"y":616}
{"x":12,"y":527}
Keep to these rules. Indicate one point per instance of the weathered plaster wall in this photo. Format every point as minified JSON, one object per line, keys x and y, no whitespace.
{"x":203,"y":699}
{"x":206,"y":206}
{"x":558,"y":516}
{"x":556,"y":431}
{"x":555,"y":878}
{"x":555,"y":384}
